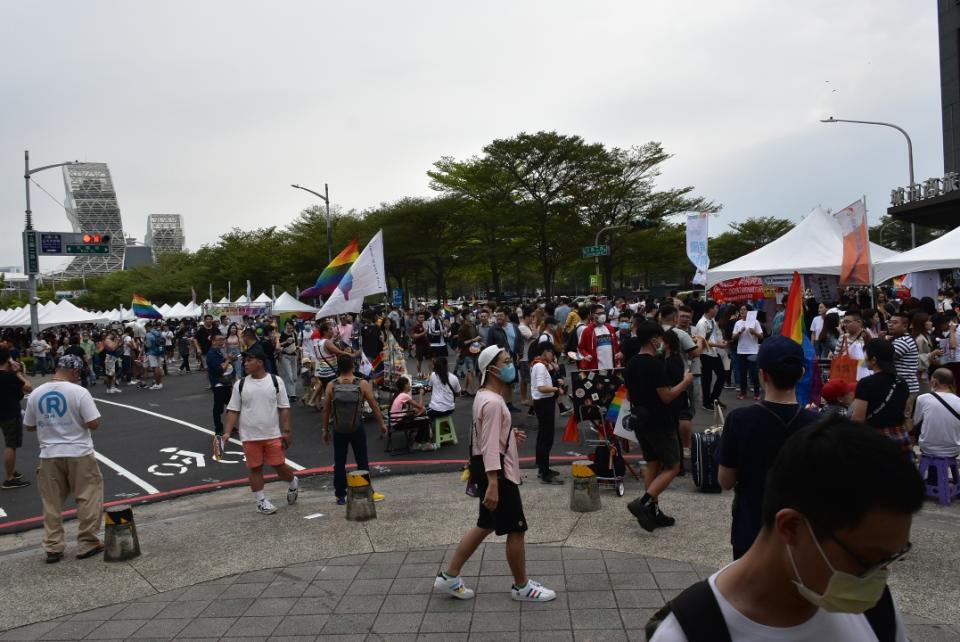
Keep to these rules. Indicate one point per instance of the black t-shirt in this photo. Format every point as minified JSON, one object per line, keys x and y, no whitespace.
{"x":76,"y":351}
{"x":874,"y":390}
{"x":751,"y":439}
{"x":11,"y":392}
{"x":675,"y":370}
{"x":204,"y":337}
{"x":643,"y":375}
{"x":371,"y":340}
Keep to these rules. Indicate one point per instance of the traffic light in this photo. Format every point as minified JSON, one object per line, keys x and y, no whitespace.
{"x":96,"y":239}
{"x":644,"y":224}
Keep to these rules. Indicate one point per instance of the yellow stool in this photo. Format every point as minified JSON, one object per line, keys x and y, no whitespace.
{"x":444,"y":431}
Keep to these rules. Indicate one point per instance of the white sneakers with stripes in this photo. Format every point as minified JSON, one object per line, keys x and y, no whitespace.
{"x":452,"y":586}
{"x":533,"y":591}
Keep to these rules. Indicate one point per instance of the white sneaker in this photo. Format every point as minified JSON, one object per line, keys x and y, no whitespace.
{"x":117,"y":390}
{"x":292,"y":494}
{"x":533,"y":592}
{"x":454,"y":587}
{"x":264,"y":507}
{"x":133,"y":382}
{"x":156,"y":386}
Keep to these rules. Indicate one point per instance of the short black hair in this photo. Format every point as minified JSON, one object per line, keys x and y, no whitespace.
{"x":785,"y":375}
{"x":882,"y":351}
{"x":4,"y":355}
{"x":836,"y":471}
{"x":344,"y":363}
{"x":709,"y":305}
{"x":647,"y":331}
{"x":667,"y":311}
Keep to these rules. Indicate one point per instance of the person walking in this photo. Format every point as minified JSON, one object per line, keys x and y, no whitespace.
{"x":156,"y":353}
{"x":259,"y":404}
{"x":220,"y":373}
{"x":63,"y":413}
{"x":710,"y":360}
{"x":495,"y":467}
{"x":343,"y":403}
{"x":13,"y":385}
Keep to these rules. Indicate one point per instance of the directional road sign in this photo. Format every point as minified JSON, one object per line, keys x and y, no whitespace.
{"x":591,"y":251}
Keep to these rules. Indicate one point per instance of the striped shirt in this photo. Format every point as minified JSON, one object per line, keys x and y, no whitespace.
{"x":907,"y":360}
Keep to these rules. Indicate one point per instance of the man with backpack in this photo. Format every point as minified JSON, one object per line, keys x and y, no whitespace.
{"x":343,"y":404}
{"x":156,"y":350}
{"x":837,"y":513}
{"x":260,"y":405}
{"x":752,"y":436}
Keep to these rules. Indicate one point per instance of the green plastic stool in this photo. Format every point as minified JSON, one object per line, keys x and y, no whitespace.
{"x":444,"y":431}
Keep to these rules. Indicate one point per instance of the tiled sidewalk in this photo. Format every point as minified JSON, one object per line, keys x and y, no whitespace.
{"x":388,"y":596}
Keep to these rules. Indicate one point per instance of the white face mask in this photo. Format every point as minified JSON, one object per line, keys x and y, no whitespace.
{"x":601,"y":318}
{"x":845,"y":593}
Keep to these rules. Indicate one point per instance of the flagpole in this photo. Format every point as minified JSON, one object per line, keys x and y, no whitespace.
{"x":873,"y":304}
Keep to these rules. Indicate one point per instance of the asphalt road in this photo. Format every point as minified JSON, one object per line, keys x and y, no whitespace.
{"x":153,"y":445}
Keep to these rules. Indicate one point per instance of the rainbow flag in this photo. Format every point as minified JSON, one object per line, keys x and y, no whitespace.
{"x":332,"y":274}
{"x":794,"y":328}
{"x":143,"y":309}
{"x":614,"y":410}
{"x":377,"y":369}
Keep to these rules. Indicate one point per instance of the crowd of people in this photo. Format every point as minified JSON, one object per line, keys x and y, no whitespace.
{"x":674,"y":355}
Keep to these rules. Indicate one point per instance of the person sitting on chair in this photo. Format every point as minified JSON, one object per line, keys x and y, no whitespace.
{"x":405,"y":409}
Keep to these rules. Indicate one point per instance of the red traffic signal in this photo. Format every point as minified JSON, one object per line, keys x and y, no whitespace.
{"x":96,"y":238}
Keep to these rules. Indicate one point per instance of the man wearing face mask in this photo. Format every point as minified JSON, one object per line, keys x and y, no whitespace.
{"x":818,"y":569}
{"x":598,"y":346}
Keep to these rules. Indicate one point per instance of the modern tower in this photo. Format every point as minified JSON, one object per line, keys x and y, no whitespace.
{"x":164,"y":233}
{"x":92,"y":207}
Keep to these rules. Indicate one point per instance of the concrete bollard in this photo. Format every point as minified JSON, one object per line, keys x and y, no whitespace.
{"x":585,"y":492}
{"x":360,"y":506}
{"x":120,"y":534}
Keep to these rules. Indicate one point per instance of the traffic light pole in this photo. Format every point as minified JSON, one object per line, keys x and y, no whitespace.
{"x":33,"y":270}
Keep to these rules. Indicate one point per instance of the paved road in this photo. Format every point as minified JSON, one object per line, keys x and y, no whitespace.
{"x":154,"y":445}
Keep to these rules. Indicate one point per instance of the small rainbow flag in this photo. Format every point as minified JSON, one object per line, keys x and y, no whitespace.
{"x":377,"y":369}
{"x":614,"y":410}
{"x":794,"y":328}
{"x":331,"y":276}
{"x":143,"y":309}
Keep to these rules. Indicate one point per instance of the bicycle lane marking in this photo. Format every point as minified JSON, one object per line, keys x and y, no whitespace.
{"x":207,"y":431}
{"x":123,"y":472}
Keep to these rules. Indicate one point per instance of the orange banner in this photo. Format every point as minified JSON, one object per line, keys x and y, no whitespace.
{"x":855,"y":269}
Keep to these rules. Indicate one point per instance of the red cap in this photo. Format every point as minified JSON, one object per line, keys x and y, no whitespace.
{"x":834,"y":389}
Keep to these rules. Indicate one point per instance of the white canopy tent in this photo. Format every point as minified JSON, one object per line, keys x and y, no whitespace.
{"x":813,"y":246}
{"x":263,"y":298}
{"x":939,"y":254}
{"x":224,"y":300}
{"x":50,"y":315}
{"x":164,"y":308}
{"x":7,"y":315}
{"x":285,"y":304}
{"x":176,"y":312}
{"x":242,"y":299}
{"x":191,"y":310}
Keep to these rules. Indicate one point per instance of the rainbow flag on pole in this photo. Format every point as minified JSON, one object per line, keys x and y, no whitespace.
{"x":613,"y":411}
{"x":143,"y":309}
{"x":794,"y":328}
{"x":330,"y":278}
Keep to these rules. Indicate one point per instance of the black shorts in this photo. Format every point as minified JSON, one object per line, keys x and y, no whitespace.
{"x":421,"y":352}
{"x":12,"y":432}
{"x":661,"y":446}
{"x":439,"y":352}
{"x":508,"y":516}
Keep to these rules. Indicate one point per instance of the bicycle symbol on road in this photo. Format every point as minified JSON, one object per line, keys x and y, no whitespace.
{"x":180,"y":461}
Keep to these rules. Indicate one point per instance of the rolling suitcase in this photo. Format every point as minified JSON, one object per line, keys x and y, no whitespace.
{"x":704,"y":455}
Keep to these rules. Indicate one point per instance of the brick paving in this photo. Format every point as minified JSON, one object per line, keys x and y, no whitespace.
{"x":602,"y":596}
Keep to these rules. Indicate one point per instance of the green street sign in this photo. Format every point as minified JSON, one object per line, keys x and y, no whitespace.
{"x":33,"y":262}
{"x":595,"y":250}
{"x":87,"y":249}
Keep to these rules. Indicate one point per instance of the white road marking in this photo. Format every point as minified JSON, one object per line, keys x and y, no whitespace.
{"x":3,"y":513}
{"x":123,"y":472}
{"x":207,"y":431}
{"x":313,"y":515}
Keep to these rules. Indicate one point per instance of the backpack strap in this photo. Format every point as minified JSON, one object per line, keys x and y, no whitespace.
{"x":698,"y":614}
{"x":883,"y":618}
{"x":945,"y":404}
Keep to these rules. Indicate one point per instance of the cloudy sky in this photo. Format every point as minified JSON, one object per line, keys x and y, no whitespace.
{"x":211,"y":109}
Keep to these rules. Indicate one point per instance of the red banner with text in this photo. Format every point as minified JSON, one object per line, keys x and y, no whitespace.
{"x":747,"y":288}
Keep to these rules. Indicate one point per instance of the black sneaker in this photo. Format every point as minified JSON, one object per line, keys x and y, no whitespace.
{"x":17,"y":475}
{"x":721,"y":404}
{"x":53,"y":558}
{"x":661,"y":518}
{"x":551,"y":477}
{"x":564,"y":411}
{"x":647,"y":517}
{"x":96,"y":550}
{"x":10,"y":484}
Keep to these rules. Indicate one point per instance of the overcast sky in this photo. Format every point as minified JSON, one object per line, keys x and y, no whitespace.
{"x":211,"y":109}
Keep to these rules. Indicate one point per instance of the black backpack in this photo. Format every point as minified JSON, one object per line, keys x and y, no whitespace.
{"x":276,"y":386}
{"x":571,"y":343}
{"x":701,"y":619}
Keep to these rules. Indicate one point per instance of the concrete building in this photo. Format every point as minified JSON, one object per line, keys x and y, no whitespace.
{"x":92,"y":207}
{"x":165,"y":233}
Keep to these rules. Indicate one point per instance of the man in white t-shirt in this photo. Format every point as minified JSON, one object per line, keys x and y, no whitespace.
{"x":818,"y":568}
{"x":260,"y":405}
{"x":937,"y":413}
{"x":63,"y":413}
{"x":747,"y":332}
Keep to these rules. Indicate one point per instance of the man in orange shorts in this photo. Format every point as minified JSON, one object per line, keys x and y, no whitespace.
{"x":261,"y":406}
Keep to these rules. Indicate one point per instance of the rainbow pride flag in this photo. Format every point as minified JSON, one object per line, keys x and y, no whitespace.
{"x":794,"y":328}
{"x":143,"y":309}
{"x":330,"y":278}
{"x":614,"y":410}
{"x":377,"y":368}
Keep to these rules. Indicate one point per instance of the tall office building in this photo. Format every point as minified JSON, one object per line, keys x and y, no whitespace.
{"x":164,"y":233}
{"x":92,"y":207}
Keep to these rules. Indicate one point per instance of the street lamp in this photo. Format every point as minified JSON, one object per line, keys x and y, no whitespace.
{"x":28,"y":227}
{"x":913,"y":226}
{"x":325,"y":197}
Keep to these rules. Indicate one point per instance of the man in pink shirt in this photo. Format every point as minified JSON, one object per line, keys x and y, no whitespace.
{"x":501,"y":510}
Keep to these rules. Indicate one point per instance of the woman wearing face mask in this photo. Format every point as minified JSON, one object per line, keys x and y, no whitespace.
{"x":818,"y":569}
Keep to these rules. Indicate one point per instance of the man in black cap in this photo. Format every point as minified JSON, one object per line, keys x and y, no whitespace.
{"x":752,"y":436}
{"x":261,"y":407}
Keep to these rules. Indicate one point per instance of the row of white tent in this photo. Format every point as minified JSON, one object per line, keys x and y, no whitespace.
{"x":64,"y":312}
{"x":815,"y":246}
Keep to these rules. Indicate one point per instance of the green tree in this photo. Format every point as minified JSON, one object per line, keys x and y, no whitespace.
{"x":745,"y":237}
{"x":894,"y":234}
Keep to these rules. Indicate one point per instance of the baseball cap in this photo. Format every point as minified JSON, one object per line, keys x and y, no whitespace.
{"x":834,"y":389}
{"x":487,"y":356}
{"x":779,"y":351}
{"x":70,"y":362}
{"x":256,"y":352}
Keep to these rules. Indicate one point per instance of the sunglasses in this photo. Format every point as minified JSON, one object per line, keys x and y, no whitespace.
{"x":870,"y":568}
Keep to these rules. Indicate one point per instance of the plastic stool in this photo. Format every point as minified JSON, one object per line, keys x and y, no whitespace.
{"x":943,"y":488}
{"x":444,"y":431}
